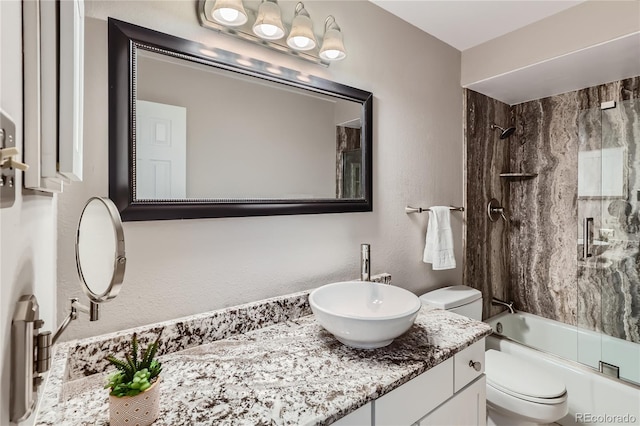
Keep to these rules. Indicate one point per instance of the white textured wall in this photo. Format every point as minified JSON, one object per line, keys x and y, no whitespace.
{"x":176,"y":268}
{"x":579,"y":27}
{"x":28,"y":228}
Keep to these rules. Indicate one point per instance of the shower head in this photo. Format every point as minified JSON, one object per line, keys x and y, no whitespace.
{"x":504,"y":133}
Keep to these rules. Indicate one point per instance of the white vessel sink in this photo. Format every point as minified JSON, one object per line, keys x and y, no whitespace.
{"x":364,"y":314}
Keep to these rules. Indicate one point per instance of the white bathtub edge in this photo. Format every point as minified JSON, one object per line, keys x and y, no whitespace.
{"x":594,"y":399}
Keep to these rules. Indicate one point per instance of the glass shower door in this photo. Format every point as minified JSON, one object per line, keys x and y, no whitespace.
{"x":608,"y":239}
{"x":620,"y":290}
{"x":590,"y":263}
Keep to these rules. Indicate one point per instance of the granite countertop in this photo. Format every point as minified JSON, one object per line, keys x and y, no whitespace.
{"x":289,"y":372}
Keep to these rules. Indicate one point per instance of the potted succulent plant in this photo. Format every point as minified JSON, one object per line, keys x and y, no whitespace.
{"x":135,"y":387}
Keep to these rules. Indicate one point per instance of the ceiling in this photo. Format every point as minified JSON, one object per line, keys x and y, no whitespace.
{"x":464,"y":24}
{"x":468,"y":23}
{"x":617,"y":59}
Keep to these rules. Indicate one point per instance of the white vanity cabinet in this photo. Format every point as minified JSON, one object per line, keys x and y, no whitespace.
{"x":451,"y":393}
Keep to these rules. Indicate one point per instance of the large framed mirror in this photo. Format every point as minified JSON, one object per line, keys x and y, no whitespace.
{"x":197,"y":132}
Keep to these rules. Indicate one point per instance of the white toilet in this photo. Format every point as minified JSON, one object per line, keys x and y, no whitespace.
{"x":518,"y":393}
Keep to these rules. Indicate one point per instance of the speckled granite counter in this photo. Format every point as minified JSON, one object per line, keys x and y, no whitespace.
{"x":290,"y":372}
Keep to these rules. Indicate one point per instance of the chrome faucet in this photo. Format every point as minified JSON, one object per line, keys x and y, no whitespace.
{"x":365,"y":262}
{"x":496,"y":302}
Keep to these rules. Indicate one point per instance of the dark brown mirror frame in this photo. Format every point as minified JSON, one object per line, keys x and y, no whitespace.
{"x":123,"y":38}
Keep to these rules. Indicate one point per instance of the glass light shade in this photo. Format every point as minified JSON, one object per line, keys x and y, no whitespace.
{"x":268,"y":24}
{"x":332,"y":46}
{"x":229,"y":12}
{"x":301,"y":36}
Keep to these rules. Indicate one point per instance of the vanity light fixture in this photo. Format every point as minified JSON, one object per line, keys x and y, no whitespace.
{"x":229,"y":12}
{"x":332,"y":45}
{"x":268,"y":25}
{"x":264,"y":26}
{"x":301,"y":36}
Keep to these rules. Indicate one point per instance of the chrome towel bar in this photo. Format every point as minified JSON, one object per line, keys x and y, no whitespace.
{"x":410,"y":209}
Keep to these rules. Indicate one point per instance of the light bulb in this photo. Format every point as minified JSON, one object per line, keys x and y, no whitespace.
{"x":332,"y":54}
{"x":268,"y":29}
{"x":301,"y":42}
{"x":228,"y":14}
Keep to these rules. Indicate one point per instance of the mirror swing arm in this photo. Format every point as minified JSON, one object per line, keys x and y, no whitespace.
{"x":124,"y":41}
{"x":76,"y":307}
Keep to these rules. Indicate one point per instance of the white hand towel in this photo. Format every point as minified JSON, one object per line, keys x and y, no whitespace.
{"x":438,"y":249}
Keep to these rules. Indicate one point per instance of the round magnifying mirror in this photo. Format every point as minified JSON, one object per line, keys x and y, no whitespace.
{"x":100,"y":250}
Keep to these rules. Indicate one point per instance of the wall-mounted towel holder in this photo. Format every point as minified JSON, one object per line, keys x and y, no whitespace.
{"x":410,"y":209}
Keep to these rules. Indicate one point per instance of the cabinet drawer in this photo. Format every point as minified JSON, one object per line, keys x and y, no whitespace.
{"x":464,"y":362}
{"x":410,"y":402}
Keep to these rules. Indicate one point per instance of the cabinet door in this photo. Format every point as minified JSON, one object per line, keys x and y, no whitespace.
{"x":408,"y":403}
{"x":466,"y":408}
{"x":360,"y":417}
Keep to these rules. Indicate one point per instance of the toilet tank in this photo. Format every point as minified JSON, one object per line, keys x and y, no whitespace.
{"x":460,"y":299}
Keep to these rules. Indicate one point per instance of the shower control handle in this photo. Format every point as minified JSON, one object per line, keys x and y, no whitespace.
{"x":495,"y":211}
{"x":475,"y":365}
{"x":587,"y":236}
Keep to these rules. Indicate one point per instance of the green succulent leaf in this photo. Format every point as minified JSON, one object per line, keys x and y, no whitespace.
{"x":137,"y":372}
{"x":124,"y":367}
{"x":134,"y":349}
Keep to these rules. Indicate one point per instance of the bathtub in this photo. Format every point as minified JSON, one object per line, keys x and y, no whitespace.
{"x":594,"y":398}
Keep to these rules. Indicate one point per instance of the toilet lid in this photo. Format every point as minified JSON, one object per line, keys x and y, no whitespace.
{"x":451,"y":297}
{"x":520,"y":378}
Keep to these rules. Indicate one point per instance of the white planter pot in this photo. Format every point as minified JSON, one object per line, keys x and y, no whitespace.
{"x":140,"y":410}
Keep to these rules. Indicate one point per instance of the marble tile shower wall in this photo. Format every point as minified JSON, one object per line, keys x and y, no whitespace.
{"x":486,"y":261}
{"x":537,"y":264}
{"x":543,"y":211}
{"x":347,"y":140}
